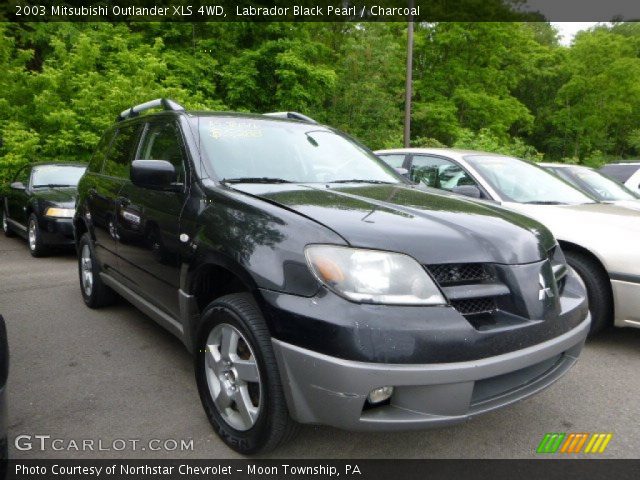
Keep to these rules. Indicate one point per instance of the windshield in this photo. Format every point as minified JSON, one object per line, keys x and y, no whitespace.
{"x":57,"y":175}
{"x":603,"y":187}
{"x":522,"y":182}
{"x":269,"y":151}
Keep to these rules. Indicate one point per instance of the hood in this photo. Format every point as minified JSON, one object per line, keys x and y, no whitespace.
{"x":592,"y":216}
{"x":60,"y":196}
{"x":632,"y":204}
{"x":609,"y":231}
{"x":430,"y":227}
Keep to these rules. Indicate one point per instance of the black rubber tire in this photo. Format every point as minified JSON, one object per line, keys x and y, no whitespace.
{"x":6,"y":228}
{"x":101,"y":295}
{"x":598,"y":289}
{"x":39,"y":249}
{"x":274,"y":426}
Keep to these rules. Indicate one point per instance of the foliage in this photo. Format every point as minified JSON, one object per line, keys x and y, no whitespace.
{"x":502,"y":87}
{"x":487,"y":141}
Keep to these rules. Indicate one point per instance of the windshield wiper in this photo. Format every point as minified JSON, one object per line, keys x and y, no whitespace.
{"x":356,"y":180}
{"x":255,"y":180}
{"x":544,"y":202}
{"x":52,"y":185}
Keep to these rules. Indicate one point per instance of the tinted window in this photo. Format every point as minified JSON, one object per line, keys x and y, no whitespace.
{"x":438,"y":172}
{"x":121,"y":152}
{"x":395,"y":160}
{"x":622,"y":173}
{"x":247,"y":148}
{"x":56,"y":175}
{"x":95,"y":164}
{"x":162,"y":141}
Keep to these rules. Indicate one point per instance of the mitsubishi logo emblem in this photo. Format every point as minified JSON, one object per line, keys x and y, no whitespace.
{"x":545,"y":291}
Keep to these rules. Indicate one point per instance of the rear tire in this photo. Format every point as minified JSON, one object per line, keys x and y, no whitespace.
{"x":37,"y":248}
{"x":6,"y":228}
{"x":94,"y":291}
{"x":266,"y":423}
{"x":598,"y":289}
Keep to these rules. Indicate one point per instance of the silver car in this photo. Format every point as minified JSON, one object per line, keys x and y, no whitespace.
{"x":600,"y":240}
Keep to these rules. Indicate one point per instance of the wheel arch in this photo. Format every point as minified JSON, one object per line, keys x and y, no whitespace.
{"x":214,"y":277}
{"x":570,"y":246}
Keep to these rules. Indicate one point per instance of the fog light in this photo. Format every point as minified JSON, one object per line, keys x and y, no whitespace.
{"x":379,"y":395}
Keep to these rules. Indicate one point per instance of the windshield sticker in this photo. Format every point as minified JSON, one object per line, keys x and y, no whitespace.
{"x":234,"y":129}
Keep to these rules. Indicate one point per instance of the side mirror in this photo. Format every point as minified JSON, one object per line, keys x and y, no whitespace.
{"x":153,"y":174}
{"x":17,"y":186}
{"x":468,"y":191}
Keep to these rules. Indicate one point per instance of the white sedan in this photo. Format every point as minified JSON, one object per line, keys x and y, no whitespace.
{"x":600,"y":240}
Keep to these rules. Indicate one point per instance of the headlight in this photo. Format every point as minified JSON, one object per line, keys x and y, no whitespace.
{"x":372,"y":276}
{"x":60,"y":212}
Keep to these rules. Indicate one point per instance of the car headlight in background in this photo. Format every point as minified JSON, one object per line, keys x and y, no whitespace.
{"x":372,"y":276}
{"x":60,"y":212}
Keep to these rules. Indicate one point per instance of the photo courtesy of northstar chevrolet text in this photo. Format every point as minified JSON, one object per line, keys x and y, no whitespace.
{"x":337,"y":234}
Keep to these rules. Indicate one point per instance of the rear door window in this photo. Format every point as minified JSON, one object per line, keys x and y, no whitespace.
{"x":97,"y":160}
{"x":121,"y":153}
{"x":393,"y":160}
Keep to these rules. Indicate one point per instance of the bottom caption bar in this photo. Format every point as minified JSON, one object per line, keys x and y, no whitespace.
{"x":295,"y":469}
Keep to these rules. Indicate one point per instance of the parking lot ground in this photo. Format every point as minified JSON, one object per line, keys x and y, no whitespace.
{"x":113,"y":374}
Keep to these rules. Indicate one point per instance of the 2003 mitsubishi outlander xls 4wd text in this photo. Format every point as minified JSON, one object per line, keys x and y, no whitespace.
{"x":312,"y":283}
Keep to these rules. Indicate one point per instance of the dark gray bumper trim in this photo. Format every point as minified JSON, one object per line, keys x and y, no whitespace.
{"x":328,"y":390}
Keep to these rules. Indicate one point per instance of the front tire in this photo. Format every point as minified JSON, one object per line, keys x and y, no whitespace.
{"x":238,"y":378}
{"x":6,"y":229}
{"x":37,"y":248}
{"x":598,"y":289}
{"x":94,"y":292}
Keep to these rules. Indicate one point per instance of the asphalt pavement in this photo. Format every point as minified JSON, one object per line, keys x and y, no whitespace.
{"x":114,"y":381}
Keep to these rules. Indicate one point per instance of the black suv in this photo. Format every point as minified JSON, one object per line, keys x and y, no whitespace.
{"x":40,"y":204}
{"x":312,"y":283}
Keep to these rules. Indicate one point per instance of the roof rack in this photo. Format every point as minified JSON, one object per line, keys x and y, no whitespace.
{"x":291,"y":115}
{"x":165,"y":103}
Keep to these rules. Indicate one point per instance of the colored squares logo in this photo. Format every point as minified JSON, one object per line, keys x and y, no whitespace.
{"x":574,"y":443}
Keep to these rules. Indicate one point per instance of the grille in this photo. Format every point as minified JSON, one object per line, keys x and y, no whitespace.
{"x":452,"y":273}
{"x":475,"y":306}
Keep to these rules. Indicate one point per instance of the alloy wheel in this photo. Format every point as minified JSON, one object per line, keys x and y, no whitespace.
{"x":86,"y":269}
{"x":233,"y":377}
{"x":32,"y":235}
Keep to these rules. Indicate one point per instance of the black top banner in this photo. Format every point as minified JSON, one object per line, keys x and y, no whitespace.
{"x":322,"y":10}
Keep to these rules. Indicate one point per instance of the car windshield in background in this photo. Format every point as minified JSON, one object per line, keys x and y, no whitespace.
{"x":269,"y":151}
{"x":57,"y":175}
{"x":518,"y":181}
{"x":605,"y":188}
{"x":620,"y":172}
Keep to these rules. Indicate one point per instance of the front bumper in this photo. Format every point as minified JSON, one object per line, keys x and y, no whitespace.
{"x":321,"y":389}
{"x":626,"y":297}
{"x":56,"y":231}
